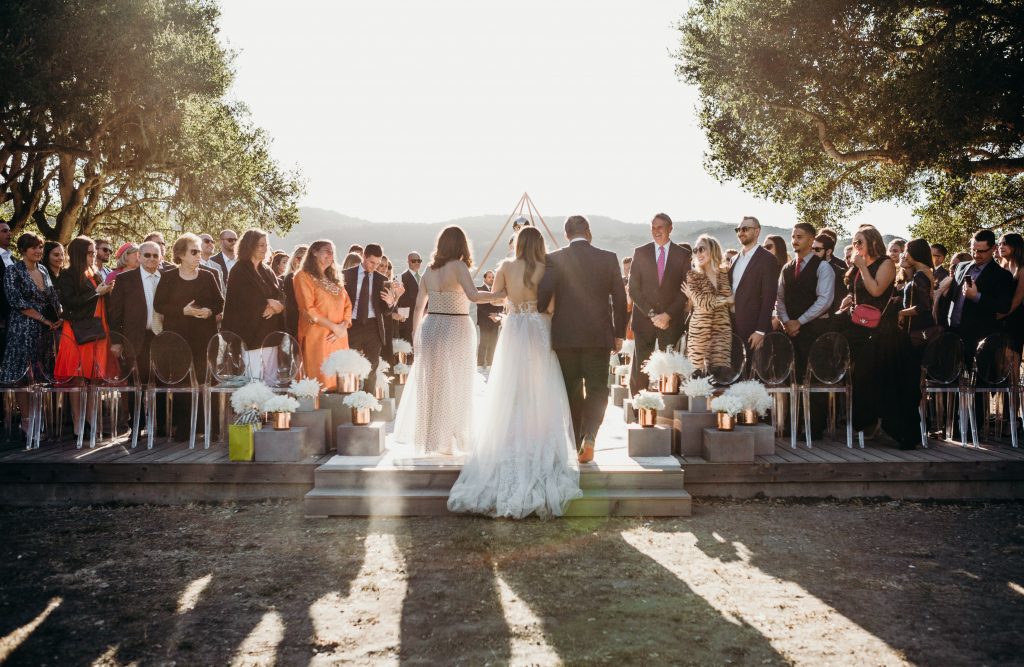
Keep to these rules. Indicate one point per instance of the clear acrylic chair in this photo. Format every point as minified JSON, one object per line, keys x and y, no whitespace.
{"x":111,"y":382}
{"x":24,"y":384}
{"x":282,"y":361}
{"x":51,"y":390}
{"x":828,"y":372}
{"x":723,"y":375}
{"x":171,"y":372}
{"x":225,"y":372}
{"x":775,"y":366}
{"x":942,"y":375}
{"x":993,"y":373}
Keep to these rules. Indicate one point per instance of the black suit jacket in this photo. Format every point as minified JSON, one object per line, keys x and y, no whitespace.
{"x":5,"y":306}
{"x":756,"y":293}
{"x":978,"y":320}
{"x":667,"y":297}
{"x":407,"y":300}
{"x":590,"y":301}
{"x":485,"y":310}
{"x":126,"y":308}
{"x":377,"y":284}
{"x":248,"y":289}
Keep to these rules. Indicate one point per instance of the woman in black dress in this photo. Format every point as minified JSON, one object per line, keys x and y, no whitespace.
{"x":189,"y":300}
{"x":291,"y":305}
{"x":254,"y":304}
{"x":1011,"y":256}
{"x":917,"y":329}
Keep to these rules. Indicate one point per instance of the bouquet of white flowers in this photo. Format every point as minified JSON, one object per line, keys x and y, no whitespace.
{"x":628,"y":347}
{"x":648,"y":400}
{"x":662,"y":364}
{"x":698,"y":387}
{"x":347,"y":362}
{"x":247,"y":402}
{"x":622,"y":370}
{"x":402,"y":369}
{"x":280,"y":403}
{"x":382,"y":373}
{"x":752,"y":395}
{"x":731,"y":405}
{"x":362,"y":400}
{"x":305,"y":388}
{"x":401,"y":345}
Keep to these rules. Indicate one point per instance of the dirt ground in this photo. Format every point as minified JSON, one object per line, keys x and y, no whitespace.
{"x":740,"y":583}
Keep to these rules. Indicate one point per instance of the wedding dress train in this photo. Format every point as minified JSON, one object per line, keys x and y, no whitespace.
{"x":524,"y":459}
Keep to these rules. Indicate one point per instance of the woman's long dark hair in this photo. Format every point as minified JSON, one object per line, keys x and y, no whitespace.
{"x":49,"y":247}
{"x":780,"y":249}
{"x":1016,"y":242}
{"x":311,"y":265}
{"x":78,"y":259}
{"x":451,"y":244}
{"x":876,"y":248}
{"x":530,"y":248}
{"x":247,"y":245}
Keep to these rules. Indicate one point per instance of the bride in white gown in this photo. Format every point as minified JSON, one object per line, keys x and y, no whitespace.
{"x":524,"y":459}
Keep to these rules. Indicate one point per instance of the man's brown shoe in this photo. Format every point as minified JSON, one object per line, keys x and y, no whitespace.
{"x":587,"y":452}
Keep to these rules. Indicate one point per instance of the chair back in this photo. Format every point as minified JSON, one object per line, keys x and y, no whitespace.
{"x":943,"y":358}
{"x":724,"y":375}
{"x":828,"y":361}
{"x":119,"y":367}
{"x":24,"y":379}
{"x":993,"y":361}
{"x":225,"y":360}
{"x":774,"y":359}
{"x":64,"y":342}
{"x":170,"y":360}
{"x":282,"y":360}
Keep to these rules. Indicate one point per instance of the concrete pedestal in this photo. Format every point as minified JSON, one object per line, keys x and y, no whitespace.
{"x":629,"y":412}
{"x":340,"y":413}
{"x":396,"y":392}
{"x":360,"y":440}
{"x":288,"y":446}
{"x":674,"y":402}
{"x":619,"y":394}
{"x":764,"y":438}
{"x":728,"y":446}
{"x":688,"y":428}
{"x":318,"y":424}
{"x":650,"y":441}
{"x":387,"y":412}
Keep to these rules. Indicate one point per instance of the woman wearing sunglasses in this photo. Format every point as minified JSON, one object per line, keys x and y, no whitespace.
{"x":708,"y":340}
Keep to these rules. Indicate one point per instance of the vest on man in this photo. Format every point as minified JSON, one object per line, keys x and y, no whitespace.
{"x":801,"y":291}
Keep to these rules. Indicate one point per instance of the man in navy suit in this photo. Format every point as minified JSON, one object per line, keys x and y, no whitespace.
{"x":372,"y":300}
{"x":754,"y":276}
{"x":981,"y":289}
{"x":411,"y":283}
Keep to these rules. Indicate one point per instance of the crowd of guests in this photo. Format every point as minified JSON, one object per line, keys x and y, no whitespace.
{"x":889,"y":301}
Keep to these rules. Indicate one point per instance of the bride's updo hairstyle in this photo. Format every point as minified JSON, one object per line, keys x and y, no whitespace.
{"x":530,"y":248}
{"x":311,"y":264}
{"x":451,"y":244}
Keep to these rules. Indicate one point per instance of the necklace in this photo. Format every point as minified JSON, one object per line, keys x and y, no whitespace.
{"x":329,"y":287}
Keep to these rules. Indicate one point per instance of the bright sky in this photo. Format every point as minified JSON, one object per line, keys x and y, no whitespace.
{"x":405,"y":110}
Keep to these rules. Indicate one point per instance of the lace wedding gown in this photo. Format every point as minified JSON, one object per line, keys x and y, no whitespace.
{"x":524,"y":459}
{"x":436,"y":412}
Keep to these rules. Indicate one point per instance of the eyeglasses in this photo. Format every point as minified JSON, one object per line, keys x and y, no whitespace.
{"x":194,"y":251}
{"x":103,"y":249}
{"x":415,"y":261}
{"x":228,"y":240}
{"x":980,"y":251}
{"x":151,"y":255}
{"x":700,"y":250}
{"x":744,"y":229}
{"x":813,"y":249}
{"x":858,"y":242}
{"x":207,"y":241}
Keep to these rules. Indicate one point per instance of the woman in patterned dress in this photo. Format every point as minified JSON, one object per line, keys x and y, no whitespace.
{"x":708,"y":340}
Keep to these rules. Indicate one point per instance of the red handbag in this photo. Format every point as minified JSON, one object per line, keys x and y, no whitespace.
{"x":865,"y":315}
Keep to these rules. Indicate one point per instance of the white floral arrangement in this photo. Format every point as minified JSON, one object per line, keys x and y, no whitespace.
{"x":401,"y":345}
{"x":305,"y":388}
{"x":622,"y":370}
{"x":280,"y":403}
{"x":628,"y":347}
{"x":382,"y":372}
{"x":698,"y":387}
{"x":402,"y":369}
{"x":247,"y":402}
{"x":648,"y":400}
{"x":753,"y":395}
{"x":663,"y":364}
{"x":347,"y":362}
{"x":731,"y":405}
{"x":361,"y":400}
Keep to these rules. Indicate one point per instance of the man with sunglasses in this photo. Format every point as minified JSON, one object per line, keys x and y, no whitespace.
{"x":206,"y":246}
{"x":824,"y":246}
{"x":102,"y":257}
{"x":411,"y":282}
{"x":228,"y":254}
{"x":754,"y":276}
{"x":980,"y":289}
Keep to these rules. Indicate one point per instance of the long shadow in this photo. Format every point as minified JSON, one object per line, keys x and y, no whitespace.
{"x":125,"y":570}
{"x":930,"y":580}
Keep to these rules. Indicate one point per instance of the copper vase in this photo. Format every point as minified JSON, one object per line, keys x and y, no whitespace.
{"x":648,"y":417}
{"x":308,"y":403}
{"x":669,"y":384}
{"x":380,"y":392}
{"x":402,"y":377}
{"x":402,"y":356}
{"x":281,"y":421}
{"x":726,"y":422}
{"x":360,"y":416}
{"x":747,"y":417}
{"x":624,"y":380}
{"x":348,"y":383}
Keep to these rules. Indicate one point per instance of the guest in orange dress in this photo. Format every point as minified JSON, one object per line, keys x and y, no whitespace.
{"x":82,"y":351}
{"x":325,"y":310}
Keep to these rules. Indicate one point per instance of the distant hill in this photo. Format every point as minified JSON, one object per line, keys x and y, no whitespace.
{"x":400,"y":238}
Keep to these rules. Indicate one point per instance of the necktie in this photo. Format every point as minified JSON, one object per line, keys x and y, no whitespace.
{"x":417,"y":278}
{"x":363,"y":307}
{"x":661,"y":263}
{"x":796,"y":271}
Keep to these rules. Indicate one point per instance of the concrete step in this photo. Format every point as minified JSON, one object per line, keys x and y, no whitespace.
{"x":432,"y":502}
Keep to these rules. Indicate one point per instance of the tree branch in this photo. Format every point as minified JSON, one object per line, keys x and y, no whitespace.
{"x":869,"y":155}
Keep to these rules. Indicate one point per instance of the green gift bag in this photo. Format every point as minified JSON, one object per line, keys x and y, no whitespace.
{"x":240,"y":442}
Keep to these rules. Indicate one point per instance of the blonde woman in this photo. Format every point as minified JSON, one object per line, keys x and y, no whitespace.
{"x":708,"y":340}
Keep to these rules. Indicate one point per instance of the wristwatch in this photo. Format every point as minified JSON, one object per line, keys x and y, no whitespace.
{"x":651,"y":313}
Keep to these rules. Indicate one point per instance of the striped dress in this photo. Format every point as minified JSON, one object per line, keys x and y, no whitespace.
{"x":708,"y":340}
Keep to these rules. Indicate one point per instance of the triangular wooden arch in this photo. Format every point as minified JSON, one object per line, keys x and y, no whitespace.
{"x":524,"y":204}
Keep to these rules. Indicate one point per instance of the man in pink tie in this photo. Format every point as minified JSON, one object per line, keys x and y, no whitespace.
{"x":655,"y":286}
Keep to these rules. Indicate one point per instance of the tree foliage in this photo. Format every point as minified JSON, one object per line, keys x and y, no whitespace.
{"x":833,"y":103}
{"x":114,"y":119}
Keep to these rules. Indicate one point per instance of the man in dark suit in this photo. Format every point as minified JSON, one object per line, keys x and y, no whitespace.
{"x":656,"y":277}
{"x":372,"y":301}
{"x":754,"y":276}
{"x":227,"y":256}
{"x":980,"y":290}
{"x":5,"y":261}
{"x":487,"y":320}
{"x":588,"y":323}
{"x":411,"y":283}
{"x":940,"y":272}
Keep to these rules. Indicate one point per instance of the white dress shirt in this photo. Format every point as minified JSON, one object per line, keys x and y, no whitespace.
{"x":739,"y":265}
{"x":5,"y":255}
{"x":229,"y":261}
{"x":370,"y":313}
{"x":149,"y":283}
